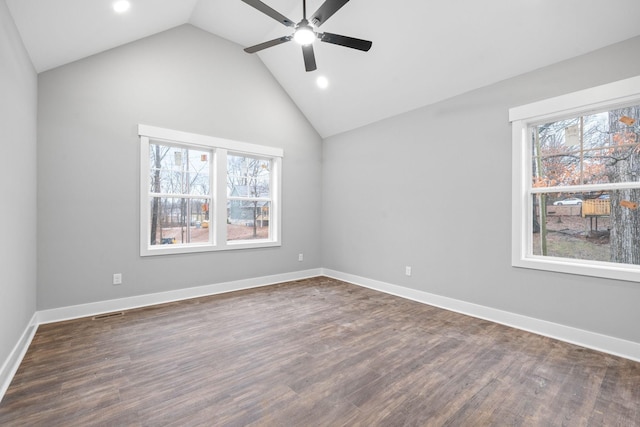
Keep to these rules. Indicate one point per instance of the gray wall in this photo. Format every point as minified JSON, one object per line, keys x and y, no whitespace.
{"x":18,"y":87}
{"x":411,"y":190}
{"x":403,"y":191}
{"x":184,"y":79}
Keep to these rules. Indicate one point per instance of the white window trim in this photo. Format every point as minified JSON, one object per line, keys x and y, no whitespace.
{"x":598,"y":98}
{"x":220,"y":147}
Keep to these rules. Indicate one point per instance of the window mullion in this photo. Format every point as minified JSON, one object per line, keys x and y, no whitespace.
{"x":145,"y":187}
{"x":276,"y":199}
{"x":212,"y":199}
{"x":221,"y":197}
{"x":586,"y":187}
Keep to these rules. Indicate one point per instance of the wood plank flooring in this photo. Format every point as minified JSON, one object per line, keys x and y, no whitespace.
{"x":315,"y":352}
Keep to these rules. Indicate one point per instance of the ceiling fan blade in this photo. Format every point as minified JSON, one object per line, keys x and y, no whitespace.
{"x":270,"y":43}
{"x":351,"y":42}
{"x":270,"y":12}
{"x":309,"y":57}
{"x":328,"y":8}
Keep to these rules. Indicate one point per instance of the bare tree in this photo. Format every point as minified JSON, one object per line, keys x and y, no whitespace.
{"x":248,"y":177}
{"x":608,"y":152}
{"x":177,"y":171}
{"x":158,"y":153}
{"x":624,"y":166}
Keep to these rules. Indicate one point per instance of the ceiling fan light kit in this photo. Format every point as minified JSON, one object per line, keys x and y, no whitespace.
{"x":304,"y":33}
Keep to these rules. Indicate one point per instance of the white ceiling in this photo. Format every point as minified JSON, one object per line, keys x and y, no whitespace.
{"x":423,"y":51}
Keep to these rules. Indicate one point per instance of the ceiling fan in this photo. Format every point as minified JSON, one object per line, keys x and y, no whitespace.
{"x":304,"y":30}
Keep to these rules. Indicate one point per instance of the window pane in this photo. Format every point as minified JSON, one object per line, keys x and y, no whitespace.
{"x":166,"y":181}
{"x":247,"y":220}
{"x":179,"y":221}
{"x":176,"y":170}
{"x":591,"y":149}
{"x":199,"y":170}
{"x":594,"y":226}
{"x":248,"y":176}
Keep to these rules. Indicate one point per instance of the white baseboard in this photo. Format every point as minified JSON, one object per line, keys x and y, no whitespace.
{"x":11,"y":365}
{"x":101,"y":307}
{"x":595,"y":341}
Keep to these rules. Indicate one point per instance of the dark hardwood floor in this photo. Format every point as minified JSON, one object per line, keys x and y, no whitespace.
{"x":315,"y":352}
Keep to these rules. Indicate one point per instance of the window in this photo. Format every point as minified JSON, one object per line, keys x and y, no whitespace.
{"x":200,"y":193}
{"x":248,"y":197}
{"x":576,"y":182}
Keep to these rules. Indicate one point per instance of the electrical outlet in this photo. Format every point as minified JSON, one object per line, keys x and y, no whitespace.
{"x":407,"y":270}
{"x":300,"y":257}
{"x":117,"y":279}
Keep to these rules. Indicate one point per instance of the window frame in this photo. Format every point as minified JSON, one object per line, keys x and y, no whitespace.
{"x":218,"y":147}
{"x":522,"y":118}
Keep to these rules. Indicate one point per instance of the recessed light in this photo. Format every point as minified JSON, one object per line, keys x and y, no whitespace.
{"x":322,"y":82}
{"x":121,"y":6}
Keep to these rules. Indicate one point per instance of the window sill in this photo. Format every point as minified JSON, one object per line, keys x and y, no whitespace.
{"x":189,"y":249}
{"x":601,"y":269}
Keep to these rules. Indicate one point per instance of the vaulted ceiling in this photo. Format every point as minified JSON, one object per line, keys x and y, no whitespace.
{"x":423,"y":51}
